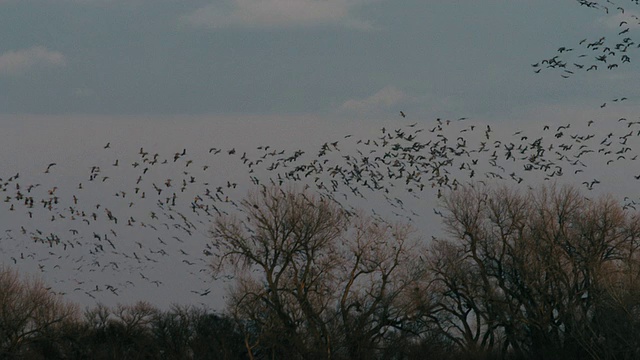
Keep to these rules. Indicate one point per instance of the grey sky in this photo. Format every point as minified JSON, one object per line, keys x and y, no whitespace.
{"x":276,"y":56}
{"x":167,"y":75}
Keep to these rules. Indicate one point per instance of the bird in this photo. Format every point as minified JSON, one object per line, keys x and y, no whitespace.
{"x":49,"y":167}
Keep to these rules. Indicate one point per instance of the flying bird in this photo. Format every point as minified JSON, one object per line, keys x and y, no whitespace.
{"x":49,"y":167}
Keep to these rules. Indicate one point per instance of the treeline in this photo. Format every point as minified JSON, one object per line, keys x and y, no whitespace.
{"x":536,"y":274}
{"x":34,"y":324}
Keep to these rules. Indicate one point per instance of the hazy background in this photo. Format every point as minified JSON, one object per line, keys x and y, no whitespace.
{"x":167,"y":75}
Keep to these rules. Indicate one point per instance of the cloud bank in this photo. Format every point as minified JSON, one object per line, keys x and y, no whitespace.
{"x":387,"y":98}
{"x":20,"y":61}
{"x":277,"y":14}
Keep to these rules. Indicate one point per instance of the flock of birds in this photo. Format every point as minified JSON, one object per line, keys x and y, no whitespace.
{"x":609,"y":51}
{"x":134,"y":214}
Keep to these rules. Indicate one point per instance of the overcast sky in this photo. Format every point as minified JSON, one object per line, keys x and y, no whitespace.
{"x":169,"y":74}
{"x":431,"y":58}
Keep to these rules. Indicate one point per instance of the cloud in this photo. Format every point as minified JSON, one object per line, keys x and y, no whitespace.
{"x":277,"y":14}
{"x":19,"y":61}
{"x":628,"y":19}
{"x":83,"y":92}
{"x":387,"y":98}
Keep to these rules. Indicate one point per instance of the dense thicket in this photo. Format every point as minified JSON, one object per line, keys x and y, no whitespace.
{"x":35,"y":324}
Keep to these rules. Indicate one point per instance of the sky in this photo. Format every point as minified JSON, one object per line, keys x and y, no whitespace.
{"x":116,"y":57}
{"x":167,"y":75}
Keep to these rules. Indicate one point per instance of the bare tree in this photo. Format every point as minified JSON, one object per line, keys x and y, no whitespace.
{"x":136,"y":316}
{"x":29,"y":313}
{"x":532,"y":271}
{"x":173,"y":331}
{"x":313,"y":282}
